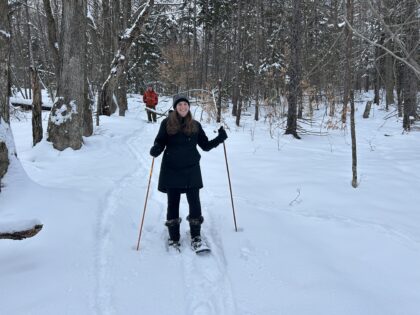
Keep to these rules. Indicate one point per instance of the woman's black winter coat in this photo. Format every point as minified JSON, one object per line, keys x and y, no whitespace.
{"x":180,"y":166}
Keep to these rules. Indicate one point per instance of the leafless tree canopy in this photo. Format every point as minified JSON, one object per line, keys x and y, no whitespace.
{"x":261,"y":50}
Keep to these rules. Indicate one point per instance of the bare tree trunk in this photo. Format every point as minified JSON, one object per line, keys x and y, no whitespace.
{"x":120,"y":61}
{"x":294,"y":68}
{"x":122,"y":80}
{"x":257,"y":105}
{"x":238,"y":113}
{"x":120,"y":89}
{"x":377,"y":78}
{"x":411,"y":81}
{"x":219,"y":103}
{"x":52,"y":38}
{"x":5,"y":132}
{"x":367,"y":82}
{"x":389,"y":77}
{"x":4,"y":158}
{"x":36,"y":108}
{"x":106,"y":104}
{"x":195,"y":42}
{"x":399,"y":86}
{"x":350,"y":91}
{"x":87,"y":111}
{"x":259,"y":52}
{"x":65,"y":125}
{"x":353,"y":140}
{"x":29,"y":39}
{"x":348,"y":77}
{"x":237,"y":62}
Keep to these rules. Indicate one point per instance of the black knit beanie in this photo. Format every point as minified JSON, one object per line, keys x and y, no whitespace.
{"x":180,"y":98}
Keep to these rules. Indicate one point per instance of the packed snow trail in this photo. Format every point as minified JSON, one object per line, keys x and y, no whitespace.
{"x":327,"y":250}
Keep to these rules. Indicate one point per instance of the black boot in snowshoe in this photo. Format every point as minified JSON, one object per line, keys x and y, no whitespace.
{"x":199,"y":246}
{"x":174,"y":245}
{"x":173,"y":229}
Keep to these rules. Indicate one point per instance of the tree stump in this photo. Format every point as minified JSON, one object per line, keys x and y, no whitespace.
{"x":367,"y":109}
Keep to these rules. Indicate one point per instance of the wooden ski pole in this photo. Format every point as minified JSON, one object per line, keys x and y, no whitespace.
{"x":145,"y":203}
{"x":218,"y":108}
{"x":230,"y":187}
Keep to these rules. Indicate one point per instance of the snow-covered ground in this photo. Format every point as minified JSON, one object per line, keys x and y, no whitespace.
{"x":308,"y":243}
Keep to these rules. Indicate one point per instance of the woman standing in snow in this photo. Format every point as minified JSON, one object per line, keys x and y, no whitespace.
{"x":180,"y":171}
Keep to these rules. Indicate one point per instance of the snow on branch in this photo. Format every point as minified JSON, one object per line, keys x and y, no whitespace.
{"x":415,"y":67}
{"x":129,"y":31}
{"x":119,"y":61}
{"x":64,"y":112}
{"x":4,"y":33}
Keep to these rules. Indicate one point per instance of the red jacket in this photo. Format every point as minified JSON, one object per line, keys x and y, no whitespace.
{"x":150,"y":98}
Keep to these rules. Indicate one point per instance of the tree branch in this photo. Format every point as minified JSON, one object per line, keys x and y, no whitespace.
{"x":414,"y":67}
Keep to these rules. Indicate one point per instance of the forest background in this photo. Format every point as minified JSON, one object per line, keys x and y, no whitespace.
{"x":288,"y":56}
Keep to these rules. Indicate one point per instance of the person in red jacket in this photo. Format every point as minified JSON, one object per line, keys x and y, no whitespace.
{"x":150,"y":98}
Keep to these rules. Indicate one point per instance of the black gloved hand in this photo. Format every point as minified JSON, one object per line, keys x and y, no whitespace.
{"x":155,"y":151}
{"x":222,"y":134}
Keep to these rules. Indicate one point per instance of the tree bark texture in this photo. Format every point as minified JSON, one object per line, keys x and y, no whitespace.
{"x":4,"y":158}
{"x":349,"y":89}
{"x":410,"y":81}
{"x":118,"y":26}
{"x":239,"y":110}
{"x":65,"y":126}
{"x":399,"y":77}
{"x":237,"y":62}
{"x":377,"y":77}
{"x":219,"y":103}
{"x":36,"y":108}
{"x":4,"y":61}
{"x":348,"y":76}
{"x":257,"y":105}
{"x":87,"y":123}
{"x":294,"y":69}
{"x":4,"y":86}
{"x":389,"y":76}
{"x":29,"y":40}
{"x":353,"y":140}
{"x":52,"y":37}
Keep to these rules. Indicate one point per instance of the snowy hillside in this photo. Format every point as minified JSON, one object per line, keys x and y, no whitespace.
{"x":308,"y":243}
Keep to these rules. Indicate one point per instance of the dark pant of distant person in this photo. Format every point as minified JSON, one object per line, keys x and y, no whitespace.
{"x":195,"y":218}
{"x":151,"y":116}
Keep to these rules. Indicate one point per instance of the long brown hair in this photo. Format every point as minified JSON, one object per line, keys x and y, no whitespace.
{"x":177,"y":124}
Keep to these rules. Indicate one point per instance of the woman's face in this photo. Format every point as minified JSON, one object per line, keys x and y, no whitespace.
{"x":182,"y":108}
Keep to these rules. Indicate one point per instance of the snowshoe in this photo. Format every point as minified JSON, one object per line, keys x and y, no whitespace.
{"x":174,"y":246}
{"x":199,"y":246}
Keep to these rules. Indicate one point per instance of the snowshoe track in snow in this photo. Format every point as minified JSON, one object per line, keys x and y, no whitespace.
{"x":208,"y":287}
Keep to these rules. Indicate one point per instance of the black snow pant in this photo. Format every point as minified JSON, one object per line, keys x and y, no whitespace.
{"x":195,"y":218}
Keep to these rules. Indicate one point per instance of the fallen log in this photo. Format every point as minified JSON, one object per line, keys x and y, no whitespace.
{"x":21,"y":234}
